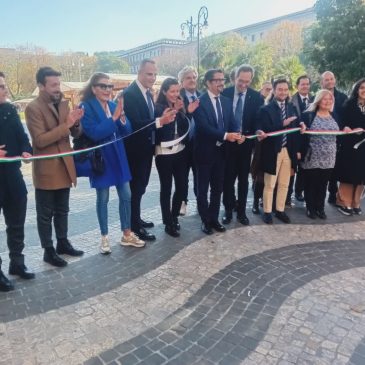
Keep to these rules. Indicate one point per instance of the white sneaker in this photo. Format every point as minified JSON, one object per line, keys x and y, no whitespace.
{"x":105,"y":247}
{"x":132,"y":240}
{"x":183,"y":208}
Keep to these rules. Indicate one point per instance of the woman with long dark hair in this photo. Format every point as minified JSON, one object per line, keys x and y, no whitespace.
{"x":104,"y":121}
{"x":350,"y":166}
{"x":171,"y":160}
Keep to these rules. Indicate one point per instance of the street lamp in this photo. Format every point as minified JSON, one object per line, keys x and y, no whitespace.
{"x":197,"y":27}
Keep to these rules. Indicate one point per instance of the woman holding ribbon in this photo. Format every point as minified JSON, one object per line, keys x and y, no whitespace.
{"x":171,"y":158}
{"x":104,"y":121}
{"x":318,"y":152}
{"x":350,"y":165}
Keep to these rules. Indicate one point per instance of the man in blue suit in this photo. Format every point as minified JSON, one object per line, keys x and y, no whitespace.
{"x":245,"y":103}
{"x":214,"y":127}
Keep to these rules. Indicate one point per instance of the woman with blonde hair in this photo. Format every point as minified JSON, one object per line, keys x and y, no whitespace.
{"x":318,"y":153}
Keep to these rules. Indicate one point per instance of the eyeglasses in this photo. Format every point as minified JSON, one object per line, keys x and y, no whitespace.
{"x":105,"y":86}
{"x":218,"y":80}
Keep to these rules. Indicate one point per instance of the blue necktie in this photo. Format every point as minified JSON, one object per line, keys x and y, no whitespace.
{"x":283,"y":117}
{"x":219,"y":113}
{"x":150,"y":104}
{"x":238,"y":113}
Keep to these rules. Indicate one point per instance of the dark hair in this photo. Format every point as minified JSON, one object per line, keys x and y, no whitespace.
{"x":209,"y":75}
{"x":44,"y":72}
{"x":355,"y":89}
{"x":144,"y":62}
{"x":2,"y":75}
{"x":302,"y":78}
{"x":280,"y":81}
{"x":165,"y":86}
{"x":87,"y":93}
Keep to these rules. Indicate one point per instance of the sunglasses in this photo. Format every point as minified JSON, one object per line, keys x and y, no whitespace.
{"x":105,"y":86}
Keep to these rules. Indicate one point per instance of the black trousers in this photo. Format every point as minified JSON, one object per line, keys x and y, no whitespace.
{"x":315,"y":186}
{"x":298,"y":187}
{"x":210,"y":174}
{"x":238,"y":162}
{"x":140,"y":167}
{"x":52,"y":205}
{"x":190,"y":165}
{"x":14,"y":211}
{"x":171,"y":167}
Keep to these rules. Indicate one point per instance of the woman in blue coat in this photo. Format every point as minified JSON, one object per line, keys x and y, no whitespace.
{"x":104,"y":121}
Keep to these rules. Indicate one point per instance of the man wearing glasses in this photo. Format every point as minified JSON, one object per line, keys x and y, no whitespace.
{"x":214,"y":125}
{"x":50,"y":123}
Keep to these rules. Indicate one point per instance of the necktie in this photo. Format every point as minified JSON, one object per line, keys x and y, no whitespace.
{"x":192,"y":122}
{"x":305,"y":101}
{"x":219,"y":113}
{"x":238,"y":113}
{"x":283,"y":117}
{"x":150,"y":104}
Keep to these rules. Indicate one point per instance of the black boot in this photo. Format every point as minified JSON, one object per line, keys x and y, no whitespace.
{"x":50,"y":256}
{"x":5,"y":284}
{"x":21,"y":271}
{"x":171,"y":230}
{"x":65,"y":248}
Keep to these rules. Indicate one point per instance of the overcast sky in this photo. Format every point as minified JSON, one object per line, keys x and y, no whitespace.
{"x":107,"y":25}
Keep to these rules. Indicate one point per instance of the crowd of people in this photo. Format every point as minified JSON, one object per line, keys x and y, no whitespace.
{"x":185,"y":130}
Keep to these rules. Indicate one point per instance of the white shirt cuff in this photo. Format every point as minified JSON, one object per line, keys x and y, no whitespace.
{"x":225,"y":136}
{"x":158,"y":124}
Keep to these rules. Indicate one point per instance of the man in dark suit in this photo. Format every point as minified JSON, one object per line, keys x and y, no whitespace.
{"x":278,"y":154}
{"x":328,"y":81}
{"x":301,"y":99}
{"x":246,"y":102}
{"x":188,"y":77}
{"x":214,"y":127}
{"x":139,"y":109}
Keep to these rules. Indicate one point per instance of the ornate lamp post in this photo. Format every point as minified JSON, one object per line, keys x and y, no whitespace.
{"x":197,"y":28}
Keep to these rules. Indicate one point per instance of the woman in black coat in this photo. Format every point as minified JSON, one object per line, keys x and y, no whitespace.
{"x":350,"y":165}
{"x":171,"y":161}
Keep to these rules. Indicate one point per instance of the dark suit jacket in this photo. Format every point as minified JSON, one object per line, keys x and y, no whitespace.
{"x":207,"y":133}
{"x":136,"y":110}
{"x":185,"y":98}
{"x":340,"y":99}
{"x":270,"y":121}
{"x":299,"y":105}
{"x":253,"y":102}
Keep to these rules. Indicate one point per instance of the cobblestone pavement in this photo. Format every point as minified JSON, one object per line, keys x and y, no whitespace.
{"x":281,"y":294}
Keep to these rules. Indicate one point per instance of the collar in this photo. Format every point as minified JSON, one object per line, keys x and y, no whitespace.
{"x":211,"y":95}
{"x":304,"y":96}
{"x":236,"y":92}
{"x":189,"y":94}
{"x":141,"y":87}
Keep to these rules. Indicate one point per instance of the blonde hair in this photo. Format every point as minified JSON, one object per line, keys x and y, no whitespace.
{"x":313,"y":107}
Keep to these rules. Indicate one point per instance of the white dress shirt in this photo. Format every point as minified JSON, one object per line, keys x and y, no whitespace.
{"x":213,"y":100}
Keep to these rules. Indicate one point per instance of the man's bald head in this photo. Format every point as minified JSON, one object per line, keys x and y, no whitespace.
{"x":328,"y":80}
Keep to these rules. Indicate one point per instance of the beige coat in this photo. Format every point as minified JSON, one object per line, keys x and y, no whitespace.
{"x":50,"y":134}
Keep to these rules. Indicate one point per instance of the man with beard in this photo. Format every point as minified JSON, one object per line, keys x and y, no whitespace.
{"x":50,"y":123}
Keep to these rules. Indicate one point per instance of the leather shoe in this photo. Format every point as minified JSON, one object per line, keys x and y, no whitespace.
{"x":146,"y":224}
{"x":256,"y":209}
{"x":299,"y":197}
{"x":267,"y":218}
{"x":227,"y":217}
{"x":206,"y":228}
{"x":144,"y":235}
{"x":321,"y":214}
{"x":218,"y":227}
{"x":65,"y":248}
{"x":176,"y":223}
{"x":171,"y":230}
{"x":5,"y":283}
{"x":50,"y":256}
{"x":282,"y":216}
{"x":21,"y":271}
{"x":243,"y":220}
{"x":310,"y":214}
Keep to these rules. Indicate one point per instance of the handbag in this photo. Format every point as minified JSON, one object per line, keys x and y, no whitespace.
{"x":90,"y":163}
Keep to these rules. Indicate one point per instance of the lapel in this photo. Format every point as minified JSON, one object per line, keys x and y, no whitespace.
{"x":246,"y":104}
{"x":141,"y":98}
{"x":210,"y":109}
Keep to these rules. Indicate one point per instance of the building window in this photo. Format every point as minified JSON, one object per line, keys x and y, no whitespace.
{"x":252,"y":38}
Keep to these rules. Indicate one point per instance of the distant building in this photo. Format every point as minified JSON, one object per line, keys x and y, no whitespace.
{"x":135,"y":55}
{"x":251,"y":33}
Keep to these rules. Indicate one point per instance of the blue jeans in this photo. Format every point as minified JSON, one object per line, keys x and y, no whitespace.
{"x":102,"y":199}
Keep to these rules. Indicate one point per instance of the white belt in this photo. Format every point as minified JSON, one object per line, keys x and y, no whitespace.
{"x":169,"y":150}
